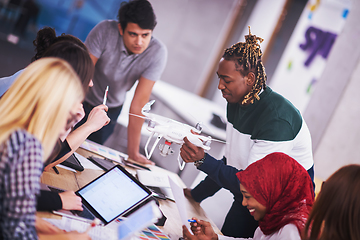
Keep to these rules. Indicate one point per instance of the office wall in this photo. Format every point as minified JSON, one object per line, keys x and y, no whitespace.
{"x":191,"y":30}
{"x":333,"y":112}
{"x":339,"y":145}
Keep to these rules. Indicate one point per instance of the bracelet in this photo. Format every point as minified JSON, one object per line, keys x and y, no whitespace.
{"x":198,"y":163}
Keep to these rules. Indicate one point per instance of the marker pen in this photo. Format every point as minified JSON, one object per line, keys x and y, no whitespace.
{"x":105,"y":95}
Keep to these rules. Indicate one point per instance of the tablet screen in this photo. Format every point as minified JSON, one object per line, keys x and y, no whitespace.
{"x":114,"y":193}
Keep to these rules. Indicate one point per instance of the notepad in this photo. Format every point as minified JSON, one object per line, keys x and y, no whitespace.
{"x":154,"y":179}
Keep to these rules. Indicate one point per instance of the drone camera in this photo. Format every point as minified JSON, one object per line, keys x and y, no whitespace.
{"x":165,"y":149}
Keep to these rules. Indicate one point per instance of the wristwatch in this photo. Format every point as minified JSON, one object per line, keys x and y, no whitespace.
{"x":198,"y":163}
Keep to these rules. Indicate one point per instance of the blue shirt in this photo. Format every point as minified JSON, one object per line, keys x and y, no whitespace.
{"x":6,"y":82}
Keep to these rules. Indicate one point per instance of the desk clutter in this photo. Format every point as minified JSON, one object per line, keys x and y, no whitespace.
{"x":94,"y":159}
{"x":151,"y":232}
{"x":104,"y":151}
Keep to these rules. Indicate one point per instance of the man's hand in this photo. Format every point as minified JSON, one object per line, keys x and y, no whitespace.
{"x":70,"y":201}
{"x":191,"y":153}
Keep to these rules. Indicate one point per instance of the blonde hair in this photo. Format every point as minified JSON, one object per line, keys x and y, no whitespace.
{"x":40,"y":100}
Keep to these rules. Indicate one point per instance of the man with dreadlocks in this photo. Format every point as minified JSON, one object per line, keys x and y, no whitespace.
{"x":260,"y":122}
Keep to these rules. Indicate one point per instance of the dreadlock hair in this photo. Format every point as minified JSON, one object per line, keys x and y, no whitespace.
{"x":247,"y":58}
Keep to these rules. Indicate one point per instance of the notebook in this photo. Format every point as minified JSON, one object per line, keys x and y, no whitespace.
{"x":109,"y":196}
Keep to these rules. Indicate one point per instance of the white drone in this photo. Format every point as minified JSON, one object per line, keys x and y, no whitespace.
{"x":173,"y":132}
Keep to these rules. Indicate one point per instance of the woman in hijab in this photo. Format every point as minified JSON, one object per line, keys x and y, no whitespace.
{"x":278,"y":193}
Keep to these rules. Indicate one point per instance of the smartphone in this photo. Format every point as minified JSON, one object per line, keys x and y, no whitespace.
{"x":73,"y":162}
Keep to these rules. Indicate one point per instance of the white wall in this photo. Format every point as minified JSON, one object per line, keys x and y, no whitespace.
{"x":333,"y":111}
{"x":340,"y":143}
{"x":292,"y":78}
{"x":191,"y":30}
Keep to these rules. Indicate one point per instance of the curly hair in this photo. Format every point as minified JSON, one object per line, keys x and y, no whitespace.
{"x":247,"y":58}
{"x":66,"y":47}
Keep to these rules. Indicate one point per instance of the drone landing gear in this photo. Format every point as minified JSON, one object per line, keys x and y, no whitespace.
{"x":154,"y":145}
{"x":181,"y":162}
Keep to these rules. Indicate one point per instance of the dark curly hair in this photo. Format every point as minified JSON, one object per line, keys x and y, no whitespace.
{"x":247,"y":58}
{"x":66,"y":47}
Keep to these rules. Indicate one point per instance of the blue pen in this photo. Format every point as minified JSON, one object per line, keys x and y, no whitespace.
{"x":191,"y":220}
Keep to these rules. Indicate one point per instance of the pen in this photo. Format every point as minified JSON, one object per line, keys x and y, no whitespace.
{"x":191,"y":220}
{"x":105,"y":95}
{"x":56,"y":170}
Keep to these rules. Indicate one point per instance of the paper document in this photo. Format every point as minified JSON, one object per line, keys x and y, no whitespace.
{"x":179,"y":196}
{"x":153,"y":179}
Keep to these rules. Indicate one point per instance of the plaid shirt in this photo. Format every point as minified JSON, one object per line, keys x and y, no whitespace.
{"x":21,"y":163}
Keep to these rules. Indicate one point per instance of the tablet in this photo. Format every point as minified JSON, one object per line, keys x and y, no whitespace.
{"x":111,"y":195}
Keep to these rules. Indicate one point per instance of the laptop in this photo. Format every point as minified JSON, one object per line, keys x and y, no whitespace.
{"x":113,"y":194}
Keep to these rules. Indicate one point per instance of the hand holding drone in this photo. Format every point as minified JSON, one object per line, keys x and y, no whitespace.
{"x":173,"y":132}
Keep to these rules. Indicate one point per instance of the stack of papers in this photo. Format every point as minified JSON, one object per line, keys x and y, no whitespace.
{"x":104,"y":151}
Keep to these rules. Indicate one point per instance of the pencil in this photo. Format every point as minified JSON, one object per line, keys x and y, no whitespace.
{"x":56,"y":170}
{"x":105,"y":95}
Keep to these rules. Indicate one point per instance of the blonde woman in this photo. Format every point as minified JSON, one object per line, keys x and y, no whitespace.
{"x":34,"y":113}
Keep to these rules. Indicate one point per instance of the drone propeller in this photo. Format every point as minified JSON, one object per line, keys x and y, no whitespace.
{"x":204,"y":138}
{"x":147,"y":106}
{"x":200,"y":125}
{"x":218,"y":140}
{"x":132,"y":114}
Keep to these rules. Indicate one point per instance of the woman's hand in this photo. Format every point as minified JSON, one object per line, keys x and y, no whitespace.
{"x":97,"y":118}
{"x":44,"y":227}
{"x":202,"y":231}
{"x":70,"y":201}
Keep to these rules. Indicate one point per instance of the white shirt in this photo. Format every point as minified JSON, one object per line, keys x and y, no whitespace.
{"x":288,"y":232}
